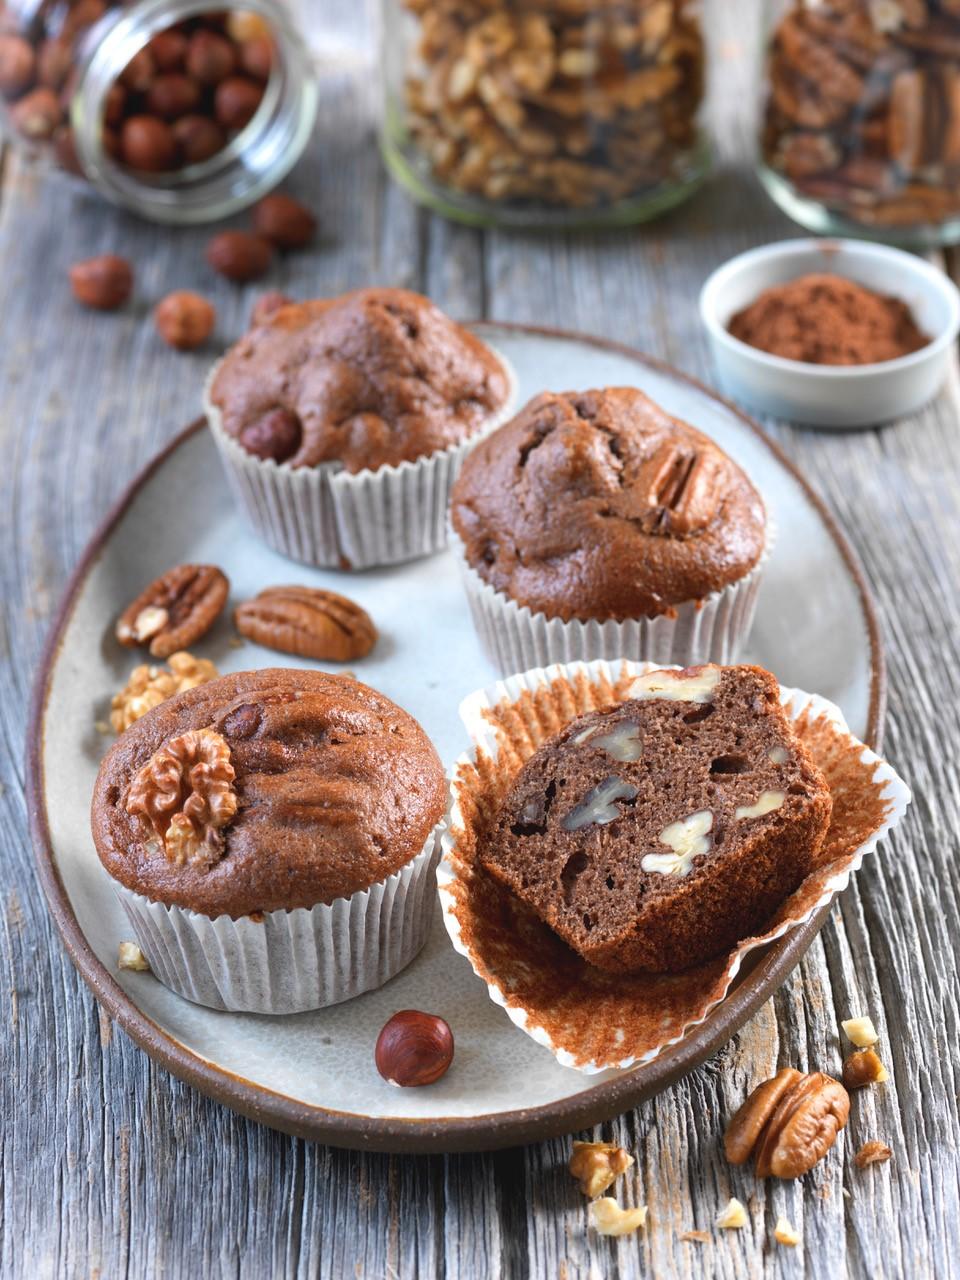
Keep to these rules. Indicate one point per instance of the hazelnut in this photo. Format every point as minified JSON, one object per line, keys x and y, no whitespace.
{"x":148,"y":144}
{"x":198,"y":138}
{"x":414,"y":1048}
{"x":172,"y":95}
{"x":210,"y":57}
{"x":80,"y":16}
{"x":266,"y":305}
{"x":184,"y":320}
{"x":256,"y":57}
{"x":242,"y":25}
{"x":18,"y":65}
{"x":236,"y":101}
{"x":115,"y":103}
{"x":103,"y":283}
{"x":862,"y":1068}
{"x":239,"y":255}
{"x":139,"y":71}
{"x":285,"y":222}
{"x":169,"y":50}
{"x":54,"y":62}
{"x":277,"y":435}
{"x":37,"y":114}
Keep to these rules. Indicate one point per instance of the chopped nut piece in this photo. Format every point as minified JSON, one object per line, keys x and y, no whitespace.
{"x":784,"y":1233}
{"x":860,"y":1031}
{"x":129,"y":956}
{"x":696,"y":1237}
{"x":148,"y":686}
{"x":185,"y":797}
{"x":862,"y":1068}
{"x":610,"y":1220}
{"x":872,"y":1153}
{"x":597,"y":1165}
{"x":733,"y":1216}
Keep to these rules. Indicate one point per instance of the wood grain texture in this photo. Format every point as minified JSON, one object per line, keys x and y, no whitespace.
{"x":112,"y":1168}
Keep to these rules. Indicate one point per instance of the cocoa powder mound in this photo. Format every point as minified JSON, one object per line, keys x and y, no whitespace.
{"x":826,"y":319}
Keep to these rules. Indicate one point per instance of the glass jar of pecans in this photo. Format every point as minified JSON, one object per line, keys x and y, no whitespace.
{"x":544,"y":113}
{"x":179,"y":112}
{"x":861,"y":120}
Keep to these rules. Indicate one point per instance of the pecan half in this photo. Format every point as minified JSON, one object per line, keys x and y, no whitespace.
{"x":788,"y":1123}
{"x":175,"y":610}
{"x":307,"y":622}
{"x":679,"y":487}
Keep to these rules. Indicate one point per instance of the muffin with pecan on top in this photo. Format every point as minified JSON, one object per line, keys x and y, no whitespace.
{"x":343,"y":422}
{"x":595,"y":525}
{"x":271,"y":836}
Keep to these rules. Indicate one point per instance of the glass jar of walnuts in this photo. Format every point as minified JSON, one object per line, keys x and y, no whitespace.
{"x":861,"y":119}
{"x":178,"y":111}
{"x":544,"y":112}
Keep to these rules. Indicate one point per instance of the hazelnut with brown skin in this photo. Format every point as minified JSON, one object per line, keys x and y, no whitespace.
{"x":37,"y":114}
{"x":256,"y":57}
{"x":236,"y":101}
{"x":139,"y":71}
{"x":104,"y":283}
{"x":169,"y":50}
{"x":172,"y":95}
{"x":210,"y":57}
{"x":80,"y":16}
{"x":198,"y":138}
{"x":414,"y":1048}
{"x":285,"y":222}
{"x":184,"y":320}
{"x":148,"y":144}
{"x":17,"y":65}
{"x":239,"y":255}
{"x":277,"y":434}
{"x":54,"y":63}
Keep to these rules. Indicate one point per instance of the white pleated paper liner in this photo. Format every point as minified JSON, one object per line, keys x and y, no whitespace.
{"x":290,"y":961}
{"x":590,"y":1020}
{"x":329,"y":518}
{"x":516,"y":638}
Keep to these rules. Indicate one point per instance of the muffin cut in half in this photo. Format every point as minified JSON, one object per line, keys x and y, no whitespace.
{"x":654,"y":836}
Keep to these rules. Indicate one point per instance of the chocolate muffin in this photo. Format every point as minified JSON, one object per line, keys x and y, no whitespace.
{"x":374,"y":378}
{"x":598,"y":505}
{"x":271,"y":838}
{"x":656,"y":835}
{"x":317,"y":787}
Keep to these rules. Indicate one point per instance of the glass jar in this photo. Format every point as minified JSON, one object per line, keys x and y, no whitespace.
{"x":544,"y":113}
{"x":175,"y":110}
{"x":860,"y":130}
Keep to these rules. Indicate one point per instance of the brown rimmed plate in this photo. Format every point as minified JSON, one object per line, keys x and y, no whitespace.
{"x":313,"y":1074}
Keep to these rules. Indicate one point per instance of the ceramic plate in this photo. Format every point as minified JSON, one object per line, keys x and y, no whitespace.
{"x":313,"y":1073}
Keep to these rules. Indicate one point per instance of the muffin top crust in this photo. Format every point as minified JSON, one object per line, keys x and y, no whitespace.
{"x":598,"y":505}
{"x":373,"y":378}
{"x":266,"y":790}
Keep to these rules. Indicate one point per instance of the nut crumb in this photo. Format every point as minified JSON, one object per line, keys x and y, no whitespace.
{"x":784,"y":1233}
{"x":129,"y":956}
{"x":101,"y":726}
{"x":696,"y":1237}
{"x":860,"y":1031}
{"x":610,"y":1220}
{"x":733,"y":1216}
{"x":597,"y":1165}
{"x":236,"y":642}
{"x":862,"y":1068}
{"x":872,"y":1153}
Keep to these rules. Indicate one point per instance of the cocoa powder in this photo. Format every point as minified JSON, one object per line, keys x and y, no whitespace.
{"x":826,"y":319}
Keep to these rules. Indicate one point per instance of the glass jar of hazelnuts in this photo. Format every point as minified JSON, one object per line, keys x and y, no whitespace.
{"x":177,"y":111}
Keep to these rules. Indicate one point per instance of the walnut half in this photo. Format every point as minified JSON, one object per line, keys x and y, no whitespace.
{"x":184,"y":795}
{"x":788,"y":1123}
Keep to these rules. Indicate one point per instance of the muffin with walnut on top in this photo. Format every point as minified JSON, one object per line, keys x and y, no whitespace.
{"x":343,"y":422}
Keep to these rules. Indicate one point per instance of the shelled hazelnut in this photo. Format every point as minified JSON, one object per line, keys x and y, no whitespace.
{"x":103,"y":283}
{"x":184,"y":320}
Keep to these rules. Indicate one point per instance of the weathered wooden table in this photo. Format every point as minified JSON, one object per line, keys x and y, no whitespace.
{"x":111,"y":1167}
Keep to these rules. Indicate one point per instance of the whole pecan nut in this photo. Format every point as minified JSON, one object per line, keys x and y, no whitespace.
{"x":788,"y":1123}
{"x":175,"y":610}
{"x":307,"y":622}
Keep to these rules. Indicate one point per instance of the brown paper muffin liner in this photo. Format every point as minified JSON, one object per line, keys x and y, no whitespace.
{"x":589,"y":1019}
{"x":516,"y":638}
{"x":327,"y":517}
{"x":290,"y":961}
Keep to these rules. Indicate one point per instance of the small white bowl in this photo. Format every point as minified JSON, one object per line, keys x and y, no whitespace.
{"x":837,"y":396}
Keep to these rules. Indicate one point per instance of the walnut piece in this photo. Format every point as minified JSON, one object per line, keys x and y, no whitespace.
{"x":695,"y":1237}
{"x":148,"y":686}
{"x":185,"y":797}
{"x":129,"y":956}
{"x":784,"y":1233}
{"x":788,"y":1123}
{"x":862,"y":1068}
{"x":610,"y":1220}
{"x":860,"y":1031}
{"x":873,"y":1152}
{"x":597,"y":1165}
{"x":733,"y":1216}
